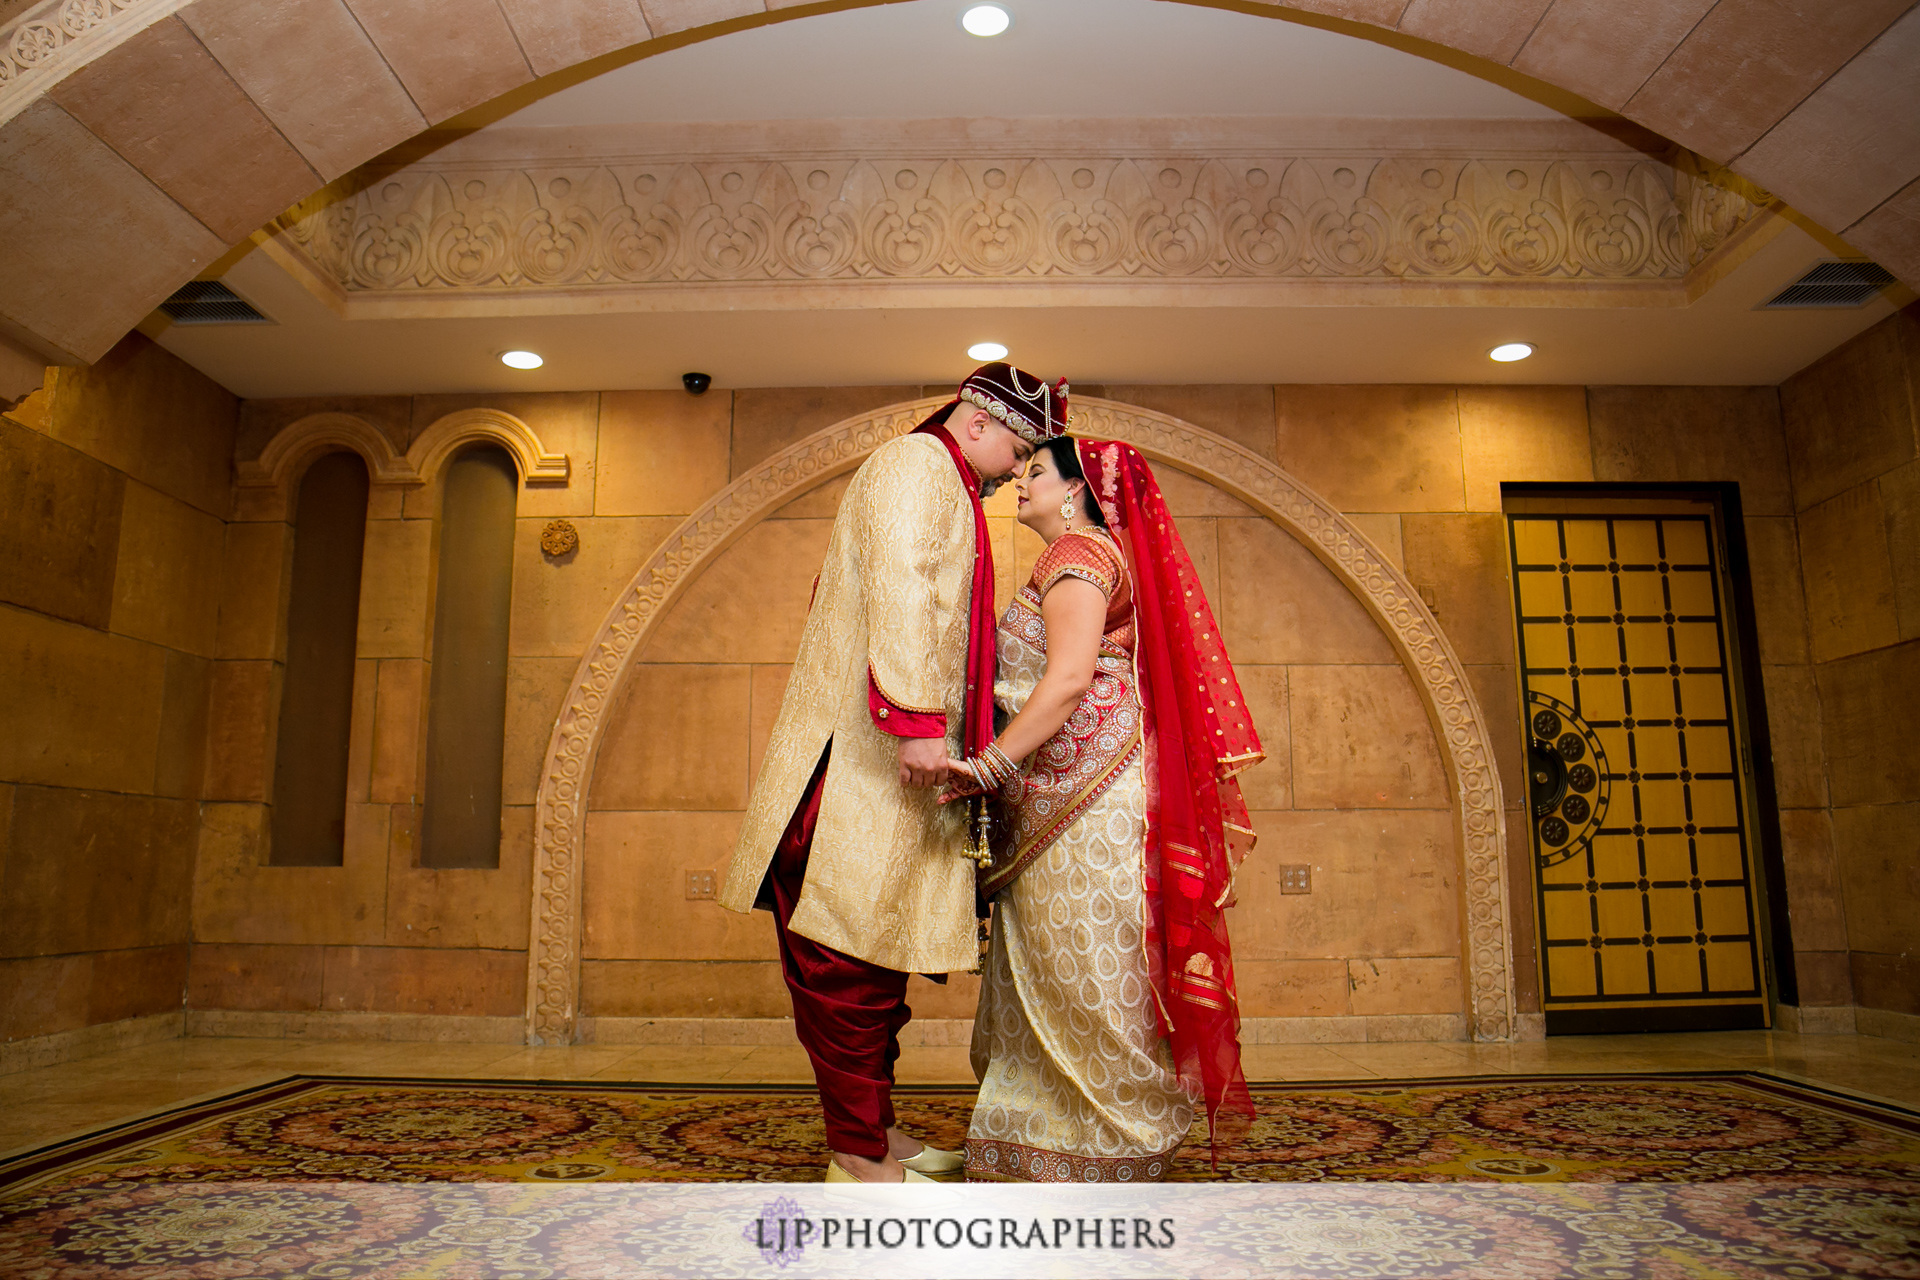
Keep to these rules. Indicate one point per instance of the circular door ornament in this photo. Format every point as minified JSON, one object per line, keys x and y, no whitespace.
{"x":1567,"y":783}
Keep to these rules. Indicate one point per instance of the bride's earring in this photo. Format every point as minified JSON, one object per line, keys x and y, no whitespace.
{"x":1069,"y":508}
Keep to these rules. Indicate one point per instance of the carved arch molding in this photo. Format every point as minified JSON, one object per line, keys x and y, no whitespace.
{"x":1810,"y":157}
{"x":553,"y":958}
{"x":296,"y":446}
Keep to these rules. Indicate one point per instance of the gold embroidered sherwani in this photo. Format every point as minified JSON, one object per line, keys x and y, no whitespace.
{"x":888,"y":880}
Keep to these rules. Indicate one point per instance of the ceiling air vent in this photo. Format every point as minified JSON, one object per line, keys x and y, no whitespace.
{"x":210,"y":302}
{"x":1831,"y":284}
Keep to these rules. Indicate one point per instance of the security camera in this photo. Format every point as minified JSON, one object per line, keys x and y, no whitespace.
{"x":696,"y":383}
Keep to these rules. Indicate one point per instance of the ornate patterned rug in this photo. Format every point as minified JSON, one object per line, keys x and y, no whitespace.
{"x":1817,"y":1157}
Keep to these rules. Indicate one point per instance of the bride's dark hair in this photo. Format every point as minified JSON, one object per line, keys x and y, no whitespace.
{"x":1066,"y":460}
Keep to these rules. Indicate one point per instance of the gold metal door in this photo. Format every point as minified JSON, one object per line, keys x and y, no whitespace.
{"x":1648,"y":906}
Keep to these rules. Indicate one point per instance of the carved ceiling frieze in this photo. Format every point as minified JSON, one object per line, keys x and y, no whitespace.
{"x":43,"y":44}
{"x":647,"y":225}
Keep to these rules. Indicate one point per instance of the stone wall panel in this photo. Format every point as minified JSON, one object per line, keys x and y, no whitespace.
{"x":678,"y":740}
{"x":136,"y":983}
{"x":243,"y":721}
{"x":536,"y":688}
{"x":768,"y":419}
{"x":1462,"y":561}
{"x":167,"y":588}
{"x":1605,"y":49}
{"x":662,"y":453}
{"x":1291,"y":988}
{"x":1849,"y":575}
{"x":399,"y":727}
{"x":82,"y":708}
{"x":1867,"y":702}
{"x":1873,"y":848}
{"x":555,"y":36}
{"x":338,"y":105}
{"x":96,"y":871}
{"x":1705,"y":434}
{"x":1798,"y":739}
{"x":1404,"y":984}
{"x":1521,"y":434}
{"x":1848,"y":416}
{"x":1779,"y":596}
{"x":751,"y":605}
{"x":449,"y":58}
{"x":1277,"y":603}
{"x":1744,"y":66}
{"x":163,"y":102}
{"x":1243,"y":414}
{"x":1900,"y":504}
{"x":60,"y":523}
{"x":560,"y":601}
{"x":1269,"y":784}
{"x":395,"y":599}
{"x":464,"y":907}
{"x":1374,"y":448}
{"x":1885,"y":981}
{"x":148,"y":413}
{"x":683,"y":989}
{"x":637,"y":908}
{"x":242,"y":976}
{"x":238,"y":897}
{"x":1361,"y":740}
{"x":180,"y":761}
{"x":63,"y":184}
{"x":423,"y":980}
{"x":1814,"y":900}
{"x":43,"y":995}
{"x":1384,"y":884}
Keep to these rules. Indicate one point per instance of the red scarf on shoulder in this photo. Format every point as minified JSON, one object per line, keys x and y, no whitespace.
{"x":977,"y":726}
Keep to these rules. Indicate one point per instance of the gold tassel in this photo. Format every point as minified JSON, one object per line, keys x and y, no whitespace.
{"x":979,"y":845}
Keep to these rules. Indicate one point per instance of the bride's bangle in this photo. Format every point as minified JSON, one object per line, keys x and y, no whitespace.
{"x":993,"y":767}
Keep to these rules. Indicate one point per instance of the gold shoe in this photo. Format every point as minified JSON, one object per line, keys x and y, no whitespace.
{"x":836,"y":1174}
{"x":932,"y":1160}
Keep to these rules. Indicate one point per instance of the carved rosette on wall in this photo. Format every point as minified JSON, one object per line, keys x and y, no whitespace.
{"x":554,"y":953}
{"x":652,"y":224}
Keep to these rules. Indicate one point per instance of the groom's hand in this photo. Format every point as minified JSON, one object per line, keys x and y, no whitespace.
{"x":923,"y":762}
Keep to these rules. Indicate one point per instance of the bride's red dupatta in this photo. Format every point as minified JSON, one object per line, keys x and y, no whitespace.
{"x":1199,"y":736}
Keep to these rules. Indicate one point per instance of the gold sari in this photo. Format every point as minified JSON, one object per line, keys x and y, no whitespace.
{"x":1076,"y":1082}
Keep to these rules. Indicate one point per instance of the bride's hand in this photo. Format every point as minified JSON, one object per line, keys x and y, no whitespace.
{"x":961,"y":782}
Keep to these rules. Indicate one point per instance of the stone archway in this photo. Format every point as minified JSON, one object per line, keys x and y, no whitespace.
{"x":268,"y":483}
{"x":185,"y":124}
{"x":1460,"y":728}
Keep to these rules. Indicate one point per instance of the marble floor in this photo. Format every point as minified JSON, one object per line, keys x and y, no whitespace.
{"x":40,"y":1106}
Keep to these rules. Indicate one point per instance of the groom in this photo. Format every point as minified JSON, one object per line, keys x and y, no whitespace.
{"x":866,"y":873}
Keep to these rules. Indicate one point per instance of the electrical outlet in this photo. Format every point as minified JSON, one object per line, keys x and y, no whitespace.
{"x":1296,"y":877}
{"x":700,"y":886}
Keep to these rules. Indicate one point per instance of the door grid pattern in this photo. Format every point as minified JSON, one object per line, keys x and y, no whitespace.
{"x":1643,"y":852}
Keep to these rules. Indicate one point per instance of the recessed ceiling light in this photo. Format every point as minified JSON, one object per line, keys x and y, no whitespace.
{"x":521,"y":359}
{"x":986,"y":352}
{"x":986,"y":20}
{"x":1508,"y":352}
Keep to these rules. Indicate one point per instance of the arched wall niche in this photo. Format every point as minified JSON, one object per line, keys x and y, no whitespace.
{"x":266,"y":484}
{"x":1459,"y":729}
{"x":1803,"y":126}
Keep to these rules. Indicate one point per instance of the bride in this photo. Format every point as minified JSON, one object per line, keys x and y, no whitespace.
{"x":1107,"y":1003}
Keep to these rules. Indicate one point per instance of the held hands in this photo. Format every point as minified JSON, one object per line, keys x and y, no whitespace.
{"x":923,"y":762}
{"x":961,"y":782}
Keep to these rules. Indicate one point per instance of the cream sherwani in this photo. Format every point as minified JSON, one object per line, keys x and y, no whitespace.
{"x":888,"y":880}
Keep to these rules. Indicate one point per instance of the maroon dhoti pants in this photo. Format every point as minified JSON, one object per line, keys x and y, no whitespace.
{"x":846,"y":1012}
